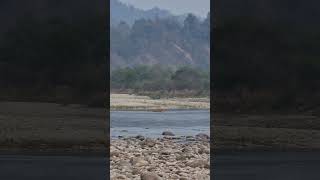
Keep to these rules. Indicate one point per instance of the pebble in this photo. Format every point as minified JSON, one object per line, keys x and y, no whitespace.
{"x":140,"y":137}
{"x":140,"y":158}
{"x":150,"y":176}
{"x":202,"y":136}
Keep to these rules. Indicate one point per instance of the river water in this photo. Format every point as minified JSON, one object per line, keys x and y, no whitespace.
{"x":152,"y":124}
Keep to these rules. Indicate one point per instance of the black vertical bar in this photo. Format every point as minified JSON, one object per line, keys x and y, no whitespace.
{"x":108,"y":87}
{"x":212,"y":25}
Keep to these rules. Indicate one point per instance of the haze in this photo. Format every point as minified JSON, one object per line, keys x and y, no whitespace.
{"x":178,"y":7}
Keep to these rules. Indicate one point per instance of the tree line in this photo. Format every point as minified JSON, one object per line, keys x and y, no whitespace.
{"x":161,"y":79}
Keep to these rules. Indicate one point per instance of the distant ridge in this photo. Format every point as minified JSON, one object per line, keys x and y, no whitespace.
{"x":161,"y":42}
{"x":129,"y":14}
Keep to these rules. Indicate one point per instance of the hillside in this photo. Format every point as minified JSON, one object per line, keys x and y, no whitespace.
{"x":161,"y":41}
{"x":127,"y":13}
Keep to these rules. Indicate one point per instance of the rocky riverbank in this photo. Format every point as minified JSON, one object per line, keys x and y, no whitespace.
{"x":160,"y":159}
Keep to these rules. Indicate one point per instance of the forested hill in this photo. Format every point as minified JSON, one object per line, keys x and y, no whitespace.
{"x":129,"y":14}
{"x":161,"y":41}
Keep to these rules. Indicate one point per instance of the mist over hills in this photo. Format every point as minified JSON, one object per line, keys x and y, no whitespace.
{"x":161,"y":42}
{"x":120,"y":11}
{"x":156,"y":37}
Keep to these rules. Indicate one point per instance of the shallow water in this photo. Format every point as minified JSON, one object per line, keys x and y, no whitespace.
{"x":152,"y":124}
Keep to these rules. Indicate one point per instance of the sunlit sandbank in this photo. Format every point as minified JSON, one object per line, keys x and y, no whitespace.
{"x":135,"y":102}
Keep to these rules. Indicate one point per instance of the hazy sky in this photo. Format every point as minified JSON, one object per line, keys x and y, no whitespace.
{"x":198,"y":7}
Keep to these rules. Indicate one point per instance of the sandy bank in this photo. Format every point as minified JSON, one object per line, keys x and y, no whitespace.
{"x":134,"y":102}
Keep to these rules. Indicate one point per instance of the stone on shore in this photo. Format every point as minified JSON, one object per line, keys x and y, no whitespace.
{"x":202,"y":136}
{"x":168,"y":133}
{"x":140,"y":137}
{"x":160,"y":158}
{"x":150,"y":176}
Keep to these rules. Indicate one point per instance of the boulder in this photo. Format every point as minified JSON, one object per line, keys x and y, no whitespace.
{"x":140,"y":137}
{"x":166,"y":152}
{"x":198,"y":163}
{"x":148,"y":142}
{"x":150,"y":176}
{"x":168,"y":133}
{"x":202,"y":136}
{"x":138,"y":162}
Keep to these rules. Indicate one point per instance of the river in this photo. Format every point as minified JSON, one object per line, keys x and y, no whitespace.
{"x":152,"y":124}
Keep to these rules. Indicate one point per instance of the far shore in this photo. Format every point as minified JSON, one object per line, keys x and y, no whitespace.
{"x":131,"y":102}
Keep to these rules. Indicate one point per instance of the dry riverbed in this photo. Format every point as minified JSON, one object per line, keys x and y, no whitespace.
{"x":160,"y":159}
{"x":134,"y":102}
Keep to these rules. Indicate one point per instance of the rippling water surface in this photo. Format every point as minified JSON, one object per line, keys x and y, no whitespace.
{"x":152,"y":124}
